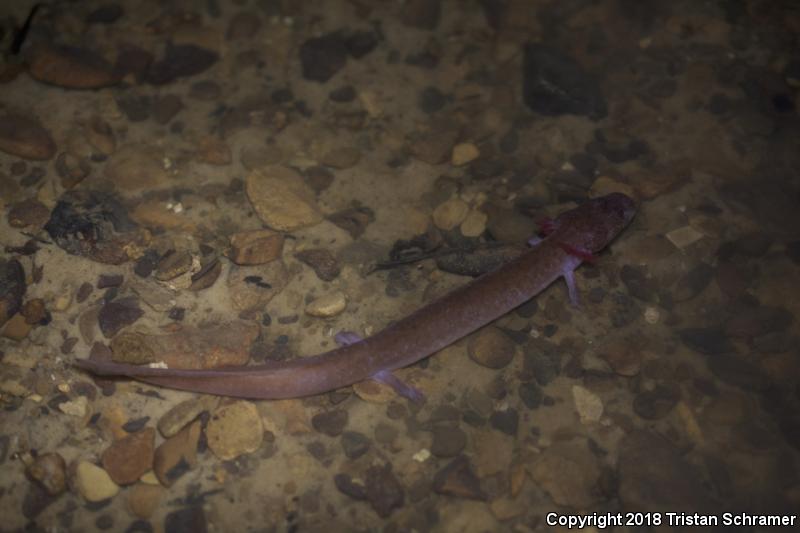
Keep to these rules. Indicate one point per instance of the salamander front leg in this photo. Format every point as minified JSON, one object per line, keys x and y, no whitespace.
{"x":577,"y":256}
{"x":572,"y":288}
{"x":345,"y":338}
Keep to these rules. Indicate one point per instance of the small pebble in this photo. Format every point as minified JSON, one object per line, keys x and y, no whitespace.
{"x":464,"y":153}
{"x":234,"y":429}
{"x":331,"y":423}
{"x":327,"y":306}
{"x":94,"y":483}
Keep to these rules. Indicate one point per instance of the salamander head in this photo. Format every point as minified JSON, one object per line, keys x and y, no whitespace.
{"x":595,"y":223}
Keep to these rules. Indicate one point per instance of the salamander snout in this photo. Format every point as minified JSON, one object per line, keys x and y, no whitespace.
{"x":621,"y":205}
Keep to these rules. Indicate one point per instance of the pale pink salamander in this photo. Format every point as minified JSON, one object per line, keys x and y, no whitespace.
{"x":573,"y":237}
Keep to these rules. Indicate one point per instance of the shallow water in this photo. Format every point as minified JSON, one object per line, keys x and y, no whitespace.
{"x":143,"y":146}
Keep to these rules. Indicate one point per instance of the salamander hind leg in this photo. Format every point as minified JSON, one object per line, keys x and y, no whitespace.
{"x":403,"y":389}
{"x":346,"y":338}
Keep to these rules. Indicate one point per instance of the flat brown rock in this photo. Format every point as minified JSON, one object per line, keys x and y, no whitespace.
{"x":208,"y":347}
{"x":281,"y":198}
{"x":457,"y":479}
{"x":177,"y":454}
{"x":234,"y":429}
{"x":23,"y":136}
{"x":130,"y":457}
{"x":255,"y":247}
{"x":71,"y":67}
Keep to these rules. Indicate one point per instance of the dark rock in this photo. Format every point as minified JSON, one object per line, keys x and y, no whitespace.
{"x":385,"y":433}
{"x":617,"y":148}
{"x":137,"y":424}
{"x":486,"y":168}
{"x":793,"y":251}
{"x":431,"y":100}
{"x":354,"y":220}
{"x":117,"y":314}
{"x":653,"y":476}
{"x":444,"y":413}
{"x":509,"y":142}
{"x":166,"y":107}
{"x":458,"y":479}
{"x":92,"y":224}
{"x":739,"y":373}
{"x":383,"y":491}
{"x":109,"y":280}
{"x":331,"y":423}
{"x":322,"y":261}
{"x":84,"y":291}
{"x":754,"y":244}
{"x":719,"y":104}
{"x":360,"y":43}
{"x":423,"y":14}
{"x":139,"y":526}
{"x":754,"y":321}
{"x":282,"y":96}
{"x":657,"y":403}
{"x":35,"y":501}
{"x":584,"y":163}
{"x":104,"y":522}
{"x":186,"y":520}
{"x":355,"y":444}
{"x":662,"y":88}
{"x":343,"y":94}
{"x":4,"y":446}
{"x":774,"y":342}
{"x":693,"y":283}
{"x":133,"y":60}
{"x":12,"y":288}
{"x":243,"y":25}
{"x":205,"y":90}
{"x":318,"y":178}
{"x":180,"y":61}
{"x":506,"y":421}
{"x":317,"y":450}
{"x":790,"y":427}
{"x":135,"y":106}
{"x":709,"y":341}
{"x":146,"y":264}
{"x":348,"y":487}
{"x":105,"y":14}
{"x":555,"y":84}
{"x":531,"y":395}
{"x":33,"y":178}
{"x":542,"y":362}
{"x":448,"y":441}
{"x":731,"y":280}
{"x":635,"y":280}
{"x":322,"y":57}
{"x":494,"y":11}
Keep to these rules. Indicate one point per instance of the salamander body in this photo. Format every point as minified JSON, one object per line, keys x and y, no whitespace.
{"x":571,"y":239}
